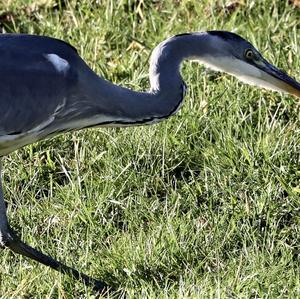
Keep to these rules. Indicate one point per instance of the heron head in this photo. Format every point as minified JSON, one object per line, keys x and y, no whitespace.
{"x":234,"y":55}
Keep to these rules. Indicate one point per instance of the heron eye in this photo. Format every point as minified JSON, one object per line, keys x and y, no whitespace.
{"x":249,"y":54}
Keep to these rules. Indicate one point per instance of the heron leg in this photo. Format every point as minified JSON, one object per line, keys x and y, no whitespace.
{"x":8,"y":238}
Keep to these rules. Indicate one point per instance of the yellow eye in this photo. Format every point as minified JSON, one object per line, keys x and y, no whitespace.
{"x":249,"y":54}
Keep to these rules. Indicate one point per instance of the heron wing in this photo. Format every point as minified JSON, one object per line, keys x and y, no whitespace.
{"x":35,"y":80}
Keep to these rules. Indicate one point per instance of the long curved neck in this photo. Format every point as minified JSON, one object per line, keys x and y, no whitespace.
{"x":120,"y":106}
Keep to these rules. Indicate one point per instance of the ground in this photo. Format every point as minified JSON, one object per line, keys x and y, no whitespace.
{"x":203,"y":205}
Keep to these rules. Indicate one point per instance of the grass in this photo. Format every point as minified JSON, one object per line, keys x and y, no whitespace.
{"x":203,"y":205}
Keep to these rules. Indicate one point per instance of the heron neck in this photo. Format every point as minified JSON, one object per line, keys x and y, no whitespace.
{"x":123,"y":106}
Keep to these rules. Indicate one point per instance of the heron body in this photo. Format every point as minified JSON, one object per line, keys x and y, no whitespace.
{"x":47,"y":89}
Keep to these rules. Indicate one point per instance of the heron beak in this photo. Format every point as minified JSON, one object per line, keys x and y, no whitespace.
{"x":279,"y":80}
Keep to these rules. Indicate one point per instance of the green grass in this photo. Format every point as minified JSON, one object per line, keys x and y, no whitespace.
{"x":203,"y":205}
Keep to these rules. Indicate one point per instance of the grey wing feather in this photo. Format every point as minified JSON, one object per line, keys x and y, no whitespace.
{"x":33,"y":86}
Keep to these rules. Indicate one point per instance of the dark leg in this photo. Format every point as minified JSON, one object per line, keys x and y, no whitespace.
{"x":9,"y":239}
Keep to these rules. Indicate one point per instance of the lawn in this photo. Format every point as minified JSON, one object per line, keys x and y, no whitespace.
{"x":203,"y":205}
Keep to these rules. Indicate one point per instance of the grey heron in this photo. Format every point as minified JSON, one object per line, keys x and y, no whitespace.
{"x":47,"y":89}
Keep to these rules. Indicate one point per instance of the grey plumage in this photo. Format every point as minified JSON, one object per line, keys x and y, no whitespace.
{"x":46,"y":89}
